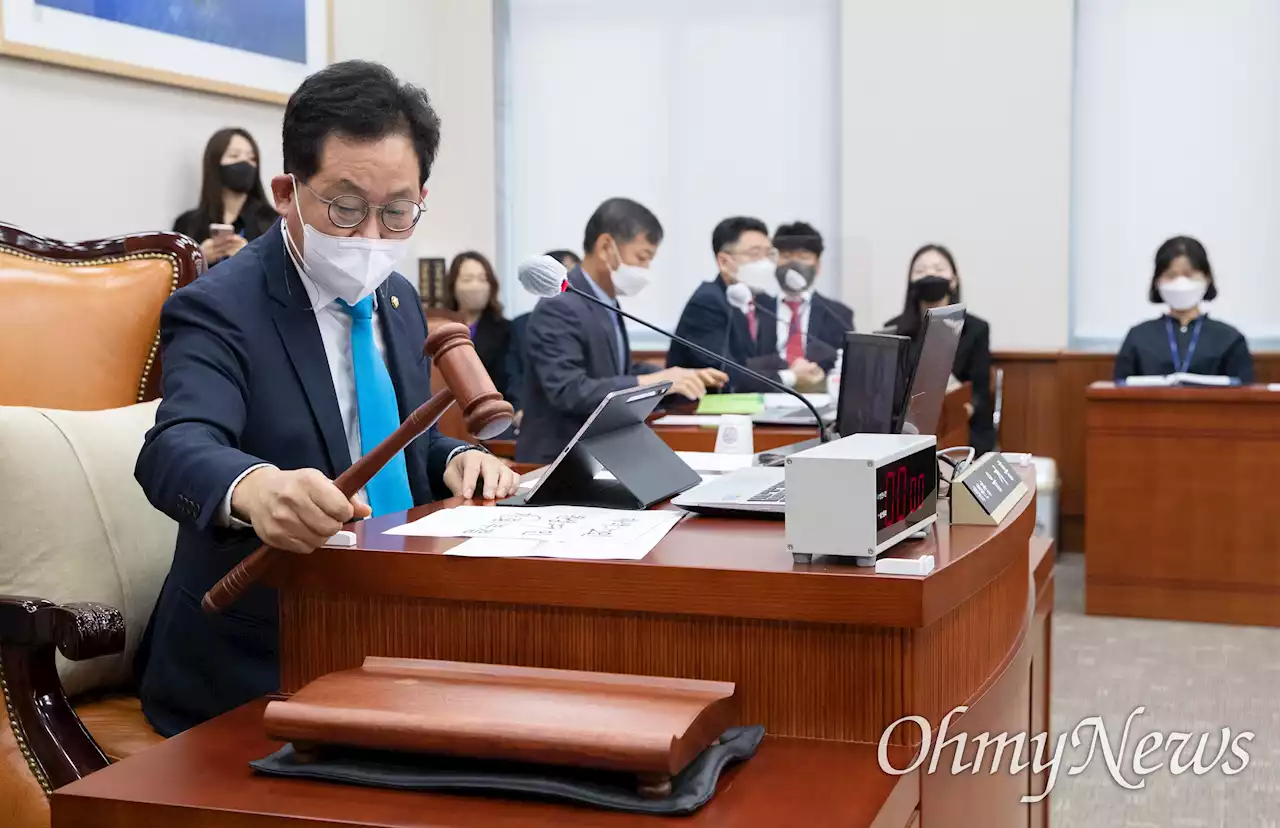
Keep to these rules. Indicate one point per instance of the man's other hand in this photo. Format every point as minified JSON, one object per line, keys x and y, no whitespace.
{"x":294,"y":510}
{"x":687,"y":382}
{"x":469,"y":467}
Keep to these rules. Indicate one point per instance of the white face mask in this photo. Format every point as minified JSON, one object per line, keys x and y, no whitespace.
{"x":350,"y":267}
{"x":759,"y":275}
{"x":629,"y":279}
{"x":1183,"y":293}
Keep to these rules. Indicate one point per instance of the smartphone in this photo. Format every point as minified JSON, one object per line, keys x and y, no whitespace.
{"x":217,"y":230}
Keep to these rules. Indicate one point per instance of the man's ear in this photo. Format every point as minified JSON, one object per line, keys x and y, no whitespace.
{"x":282,"y":192}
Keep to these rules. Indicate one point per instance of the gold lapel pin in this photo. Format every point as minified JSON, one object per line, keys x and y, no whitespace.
{"x":395,"y":302}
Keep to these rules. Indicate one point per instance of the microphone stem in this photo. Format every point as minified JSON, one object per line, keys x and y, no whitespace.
{"x":712,"y":355}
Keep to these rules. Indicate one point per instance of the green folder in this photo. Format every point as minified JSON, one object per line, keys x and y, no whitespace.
{"x":731,"y":404}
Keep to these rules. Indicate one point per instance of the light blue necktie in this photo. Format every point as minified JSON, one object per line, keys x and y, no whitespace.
{"x":388,"y":491}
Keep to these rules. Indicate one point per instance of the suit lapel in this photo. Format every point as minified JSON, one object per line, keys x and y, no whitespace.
{"x":766,"y":325}
{"x":399,"y":344}
{"x":296,"y":324}
{"x":816,"y":321}
{"x":603,"y":317}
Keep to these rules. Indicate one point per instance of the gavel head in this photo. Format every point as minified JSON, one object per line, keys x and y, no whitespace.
{"x":486,"y":413}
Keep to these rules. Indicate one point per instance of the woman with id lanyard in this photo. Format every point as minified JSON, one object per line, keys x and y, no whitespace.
{"x":1185,"y":340}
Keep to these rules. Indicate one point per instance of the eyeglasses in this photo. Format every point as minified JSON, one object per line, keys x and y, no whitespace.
{"x":348,"y":211}
{"x":754,"y":253}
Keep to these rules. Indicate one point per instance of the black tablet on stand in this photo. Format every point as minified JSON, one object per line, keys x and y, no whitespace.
{"x":614,"y":439}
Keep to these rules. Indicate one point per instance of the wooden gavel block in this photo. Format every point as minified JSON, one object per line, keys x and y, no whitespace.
{"x":486,"y":413}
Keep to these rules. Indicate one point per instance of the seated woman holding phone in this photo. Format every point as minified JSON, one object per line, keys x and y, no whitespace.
{"x":1185,"y":340}
{"x":233,"y":209}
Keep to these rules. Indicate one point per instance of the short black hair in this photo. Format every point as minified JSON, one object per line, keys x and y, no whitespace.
{"x":623,"y":219}
{"x":731,"y":229}
{"x":798,"y":235}
{"x":361,"y":100}
{"x":1195,"y":253}
{"x":564,"y":257}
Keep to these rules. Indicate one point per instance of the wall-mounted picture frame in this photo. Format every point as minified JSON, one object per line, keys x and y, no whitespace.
{"x":431,"y":289}
{"x":256,"y":49}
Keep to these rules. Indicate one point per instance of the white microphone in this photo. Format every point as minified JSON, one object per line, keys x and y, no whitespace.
{"x":740,"y":296}
{"x":542,"y":276}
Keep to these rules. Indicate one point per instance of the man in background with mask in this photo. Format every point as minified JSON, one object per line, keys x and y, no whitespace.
{"x":577,"y":352}
{"x":744,"y":255}
{"x":283,"y":365}
{"x":810,"y":326}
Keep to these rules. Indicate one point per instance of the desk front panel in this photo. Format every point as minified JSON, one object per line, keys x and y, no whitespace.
{"x":1182,"y":512}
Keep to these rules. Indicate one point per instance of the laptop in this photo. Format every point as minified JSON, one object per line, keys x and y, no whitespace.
{"x":762,"y":490}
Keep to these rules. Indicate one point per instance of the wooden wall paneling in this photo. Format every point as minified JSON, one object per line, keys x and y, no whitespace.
{"x":1076,"y":372}
{"x":1029,"y":415}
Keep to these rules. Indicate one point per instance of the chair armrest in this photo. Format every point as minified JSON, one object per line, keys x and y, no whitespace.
{"x":56,"y":745}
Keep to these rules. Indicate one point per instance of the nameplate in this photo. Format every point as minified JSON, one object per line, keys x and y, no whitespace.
{"x":985,"y":492}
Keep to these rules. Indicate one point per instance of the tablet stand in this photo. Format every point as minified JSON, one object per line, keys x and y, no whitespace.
{"x":645,"y":470}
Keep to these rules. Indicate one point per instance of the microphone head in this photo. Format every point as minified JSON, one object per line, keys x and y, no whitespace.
{"x":542,"y":275}
{"x":796,"y":282}
{"x":740,"y":296}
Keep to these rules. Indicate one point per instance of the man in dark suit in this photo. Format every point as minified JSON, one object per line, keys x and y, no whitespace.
{"x":744,"y":254}
{"x":282,"y":365}
{"x":576,"y":351}
{"x":809,"y":325}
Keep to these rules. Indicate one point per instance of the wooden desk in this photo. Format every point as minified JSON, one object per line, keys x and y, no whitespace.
{"x":825,"y":655}
{"x":953,"y":430}
{"x":1182,"y":517}
{"x":202,"y":779}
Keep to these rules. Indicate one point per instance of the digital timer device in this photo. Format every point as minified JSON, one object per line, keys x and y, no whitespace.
{"x":858,"y":496}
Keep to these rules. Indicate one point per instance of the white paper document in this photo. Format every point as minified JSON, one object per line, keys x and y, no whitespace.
{"x":553,"y":523}
{"x":1172,"y":380}
{"x":573,"y":550}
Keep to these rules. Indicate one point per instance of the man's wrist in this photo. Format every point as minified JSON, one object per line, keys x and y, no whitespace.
{"x":226,"y":518}
{"x":463,"y":450}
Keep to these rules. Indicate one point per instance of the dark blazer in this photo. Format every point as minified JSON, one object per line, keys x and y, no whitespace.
{"x":571,"y":363}
{"x":972,"y":365}
{"x":709,"y":320}
{"x":829,"y":321}
{"x":246,"y":381}
{"x":515,"y":366}
{"x":493,"y":343}
{"x":254,"y":220}
{"x":1220,"y":350}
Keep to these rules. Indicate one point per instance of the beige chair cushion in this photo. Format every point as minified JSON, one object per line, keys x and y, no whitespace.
{"x":77,"y":526}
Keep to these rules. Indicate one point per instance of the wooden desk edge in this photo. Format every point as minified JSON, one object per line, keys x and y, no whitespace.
{"x":805,"y":593}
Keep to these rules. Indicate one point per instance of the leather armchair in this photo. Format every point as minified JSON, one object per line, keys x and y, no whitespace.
{"x":83,"y":320}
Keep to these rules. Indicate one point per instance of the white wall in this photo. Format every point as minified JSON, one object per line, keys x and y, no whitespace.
{"x":956,"y":129}
{"x":1177,"y":127}
{"x":90,"y":155}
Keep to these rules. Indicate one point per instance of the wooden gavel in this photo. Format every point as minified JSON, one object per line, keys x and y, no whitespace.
{"x":486,"y":413}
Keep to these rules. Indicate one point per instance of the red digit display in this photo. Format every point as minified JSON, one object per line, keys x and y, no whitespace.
{"x":902,"y":488}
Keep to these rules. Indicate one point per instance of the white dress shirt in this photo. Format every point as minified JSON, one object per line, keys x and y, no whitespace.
{"x":784,"y":321}
{"x":335,"y":332}
{"x":786,"y":375}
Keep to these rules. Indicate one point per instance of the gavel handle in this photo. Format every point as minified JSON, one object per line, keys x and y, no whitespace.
{"x":234,"y":583}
